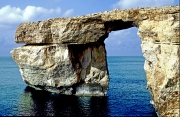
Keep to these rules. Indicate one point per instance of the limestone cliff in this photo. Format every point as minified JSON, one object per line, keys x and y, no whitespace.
{"x":68,"y":56}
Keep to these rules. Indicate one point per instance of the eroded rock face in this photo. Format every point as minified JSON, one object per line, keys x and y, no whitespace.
{"x":64,"y":68}
{"x":162,"y":72}
{"x":67,"y":55}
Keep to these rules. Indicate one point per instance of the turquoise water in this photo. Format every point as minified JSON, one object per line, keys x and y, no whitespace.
{"x":127,"y":95}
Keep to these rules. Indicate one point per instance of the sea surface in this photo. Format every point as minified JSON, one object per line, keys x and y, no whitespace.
{"x":127,"y":94}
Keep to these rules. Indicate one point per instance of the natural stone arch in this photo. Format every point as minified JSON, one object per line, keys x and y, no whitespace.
{"x":68,"y":56}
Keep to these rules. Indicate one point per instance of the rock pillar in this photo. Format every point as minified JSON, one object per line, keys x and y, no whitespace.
{"x":66,"y":69}
{"x":161,"y":49}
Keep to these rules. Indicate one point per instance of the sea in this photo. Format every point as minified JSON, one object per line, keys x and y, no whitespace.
{"x":127,"y":94}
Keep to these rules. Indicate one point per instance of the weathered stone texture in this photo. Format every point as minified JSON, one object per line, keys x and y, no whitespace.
{"x":61,"y":30}
{"x":163,"y":73}
{"x":161,"y":49}
{"x":67,"y":55}
{"x":58,"y":68}
{"x":91,"y":28}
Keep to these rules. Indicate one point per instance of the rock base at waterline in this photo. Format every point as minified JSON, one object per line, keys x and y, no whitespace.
{"x":66,"y":69}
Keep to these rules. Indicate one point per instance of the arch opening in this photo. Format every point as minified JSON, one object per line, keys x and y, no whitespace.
{"x":127,"y":85}
{"x":118,"y":25}
{"x":123,"y":43}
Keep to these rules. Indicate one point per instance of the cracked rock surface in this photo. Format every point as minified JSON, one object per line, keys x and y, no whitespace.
{"x":68,"y":56}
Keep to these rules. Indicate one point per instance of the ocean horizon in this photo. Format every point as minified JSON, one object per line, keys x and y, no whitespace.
{"x":127,"y":94}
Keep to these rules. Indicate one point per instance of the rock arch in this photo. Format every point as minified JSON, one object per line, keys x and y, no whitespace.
{"x":68,"y":56}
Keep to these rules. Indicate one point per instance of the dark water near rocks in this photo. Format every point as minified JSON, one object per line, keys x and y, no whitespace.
{"x":127,"y":95}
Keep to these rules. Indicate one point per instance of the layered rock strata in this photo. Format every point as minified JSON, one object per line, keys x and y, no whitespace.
{"x":68,"y":56}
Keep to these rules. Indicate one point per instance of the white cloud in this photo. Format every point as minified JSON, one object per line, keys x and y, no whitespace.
{"x":124,"y":42}
{"x":119,"y":35}
{"x":14,"y":15}
{"x":125,"y":4}
{"x":11,"y":17}
{"x":68,"y":13}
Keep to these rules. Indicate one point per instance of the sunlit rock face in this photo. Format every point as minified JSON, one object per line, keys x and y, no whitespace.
{"x":161,"y":49}
{"x":65,"y":69}
{"x":68,"y":56}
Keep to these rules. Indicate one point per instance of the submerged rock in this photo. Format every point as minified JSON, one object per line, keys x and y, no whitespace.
{"x":68,"y":56}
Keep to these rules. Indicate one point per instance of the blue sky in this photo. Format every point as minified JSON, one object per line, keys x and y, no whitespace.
{"x":119,"y":43}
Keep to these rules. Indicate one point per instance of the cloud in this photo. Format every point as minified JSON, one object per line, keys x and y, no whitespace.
{"x":119,"y":36}
{"x":14,"y":15}
{"x":123,"y":42}
{"x":11,"y":17}
{"x":115,"y":38}
{"x":125,"y":4}
{"x":68,"y":13}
